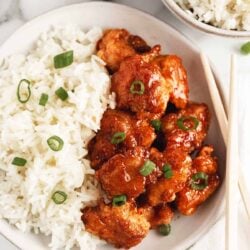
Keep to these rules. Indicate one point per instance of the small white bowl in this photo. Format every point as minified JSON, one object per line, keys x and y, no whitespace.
{"x":188,"y":19}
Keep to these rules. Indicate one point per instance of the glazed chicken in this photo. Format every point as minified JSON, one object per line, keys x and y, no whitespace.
{"x":175,"y":74}
{"x":123,"y":226}
{"x":140,"y":87}
{"x":181,"y":139}
{"x":114,"y":122}
{"x":159,"y":215}
{"x":187,"y":128}
{"x":121,"y":174}
{"x":204,"y":169}
{"x":164,"y":190}
{"x":118,"y":44}
{"x":142,"y":152}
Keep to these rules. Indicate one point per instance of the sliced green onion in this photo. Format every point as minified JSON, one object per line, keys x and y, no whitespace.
{"x":119,"y":200}
{"x":62,"y":93}
{"x":147,"y":168}
{"x":64,"y":59}
{"x":245,"y":48}
{"x":156,"y":124}
{"x":199,"y":181}
{"x":59,"y":197}
{"x":118,"y":137}
{"x":164,"y":229}
{"x":17,"y":161}
{"x":23,"y":91}
{"x":137,"y":87}
{"x":55,"y":143}
{"x":43,"y":99}
{"x":167,"y":170}
{"x":183,"y":119}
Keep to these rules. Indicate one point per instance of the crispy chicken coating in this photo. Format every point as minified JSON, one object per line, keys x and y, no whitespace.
{"x":121,"y":174}
{"x":205,"y":162}
{"x":151,"y":54}
{"x":188,"y":135}
{"x":158,"y":158}
{"x":188,"y":199}
{"x":159,"y":215}
{"x":165,"y":189}
{"x":118,"y":44}
{"x":137,"y":132}
{"x":141,"y":88}
{"x":124,"y":226}
{"x":175,"y":74}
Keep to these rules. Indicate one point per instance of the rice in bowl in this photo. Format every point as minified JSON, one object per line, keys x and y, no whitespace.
{"x":225,"y":14}
{"x":25,"y":192}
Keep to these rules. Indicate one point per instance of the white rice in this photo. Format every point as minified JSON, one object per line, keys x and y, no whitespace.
{"x":226,"y":14}
{"x":25,"y":192}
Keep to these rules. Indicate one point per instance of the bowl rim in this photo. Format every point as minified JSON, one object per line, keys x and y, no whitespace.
{"x":188,"y":19}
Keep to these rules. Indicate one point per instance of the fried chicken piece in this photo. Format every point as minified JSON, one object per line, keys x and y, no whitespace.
{"x":205,"y":162}
{"x":118,"y":44}
{"x":188,"y":199}
{"x":140,"y":87}
{"x":165,"y":189}
{"x":159,"y":215}
{"x":187,"y":128}
{"x":151,"y":54}
{"x":180,"y":142}
{"x":121,"y":174}
{"x":100,"y":149}
{"x":123,"y":226}
{"x":157,"y":158}
{"x":137,"y":132}
{"x":175,"y":74}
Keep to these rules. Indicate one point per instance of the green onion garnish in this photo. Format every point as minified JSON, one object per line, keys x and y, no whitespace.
{"x":63,"y":60}
{"x":147,"y":168}
{"x":183,"y":119}
{"x":17,"y":161}
{"x":43,"y":99}
{"x":59,"y":197}
{"x":245,"y":48}
{"x":156,"y":124}
{"x":119,"y":200}
{"x":164,"y":229}
{"x":118,"y":137}
{"x":167,"y":170}
{"x":23,"y":91}
{"x":62,"y":93}
{"x":55,"y":143}
{"x":137,"y":87}
{"x":199,"y":181}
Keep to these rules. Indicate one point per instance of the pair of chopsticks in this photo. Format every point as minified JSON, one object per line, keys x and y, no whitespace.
{"x":229,"y":132}
{"x":232,"y":172}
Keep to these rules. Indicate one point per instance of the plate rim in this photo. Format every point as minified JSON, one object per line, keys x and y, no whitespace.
{"x":214,"y":219}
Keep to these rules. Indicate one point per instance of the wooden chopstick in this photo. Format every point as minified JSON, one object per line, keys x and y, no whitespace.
{"x":223,"y":124}
{"x":231,"y":242}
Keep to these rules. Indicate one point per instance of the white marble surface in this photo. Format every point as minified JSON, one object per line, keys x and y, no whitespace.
{"x":14,"y":13}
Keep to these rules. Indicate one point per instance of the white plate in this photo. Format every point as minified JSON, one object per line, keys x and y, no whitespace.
{"x":185,"y":230}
